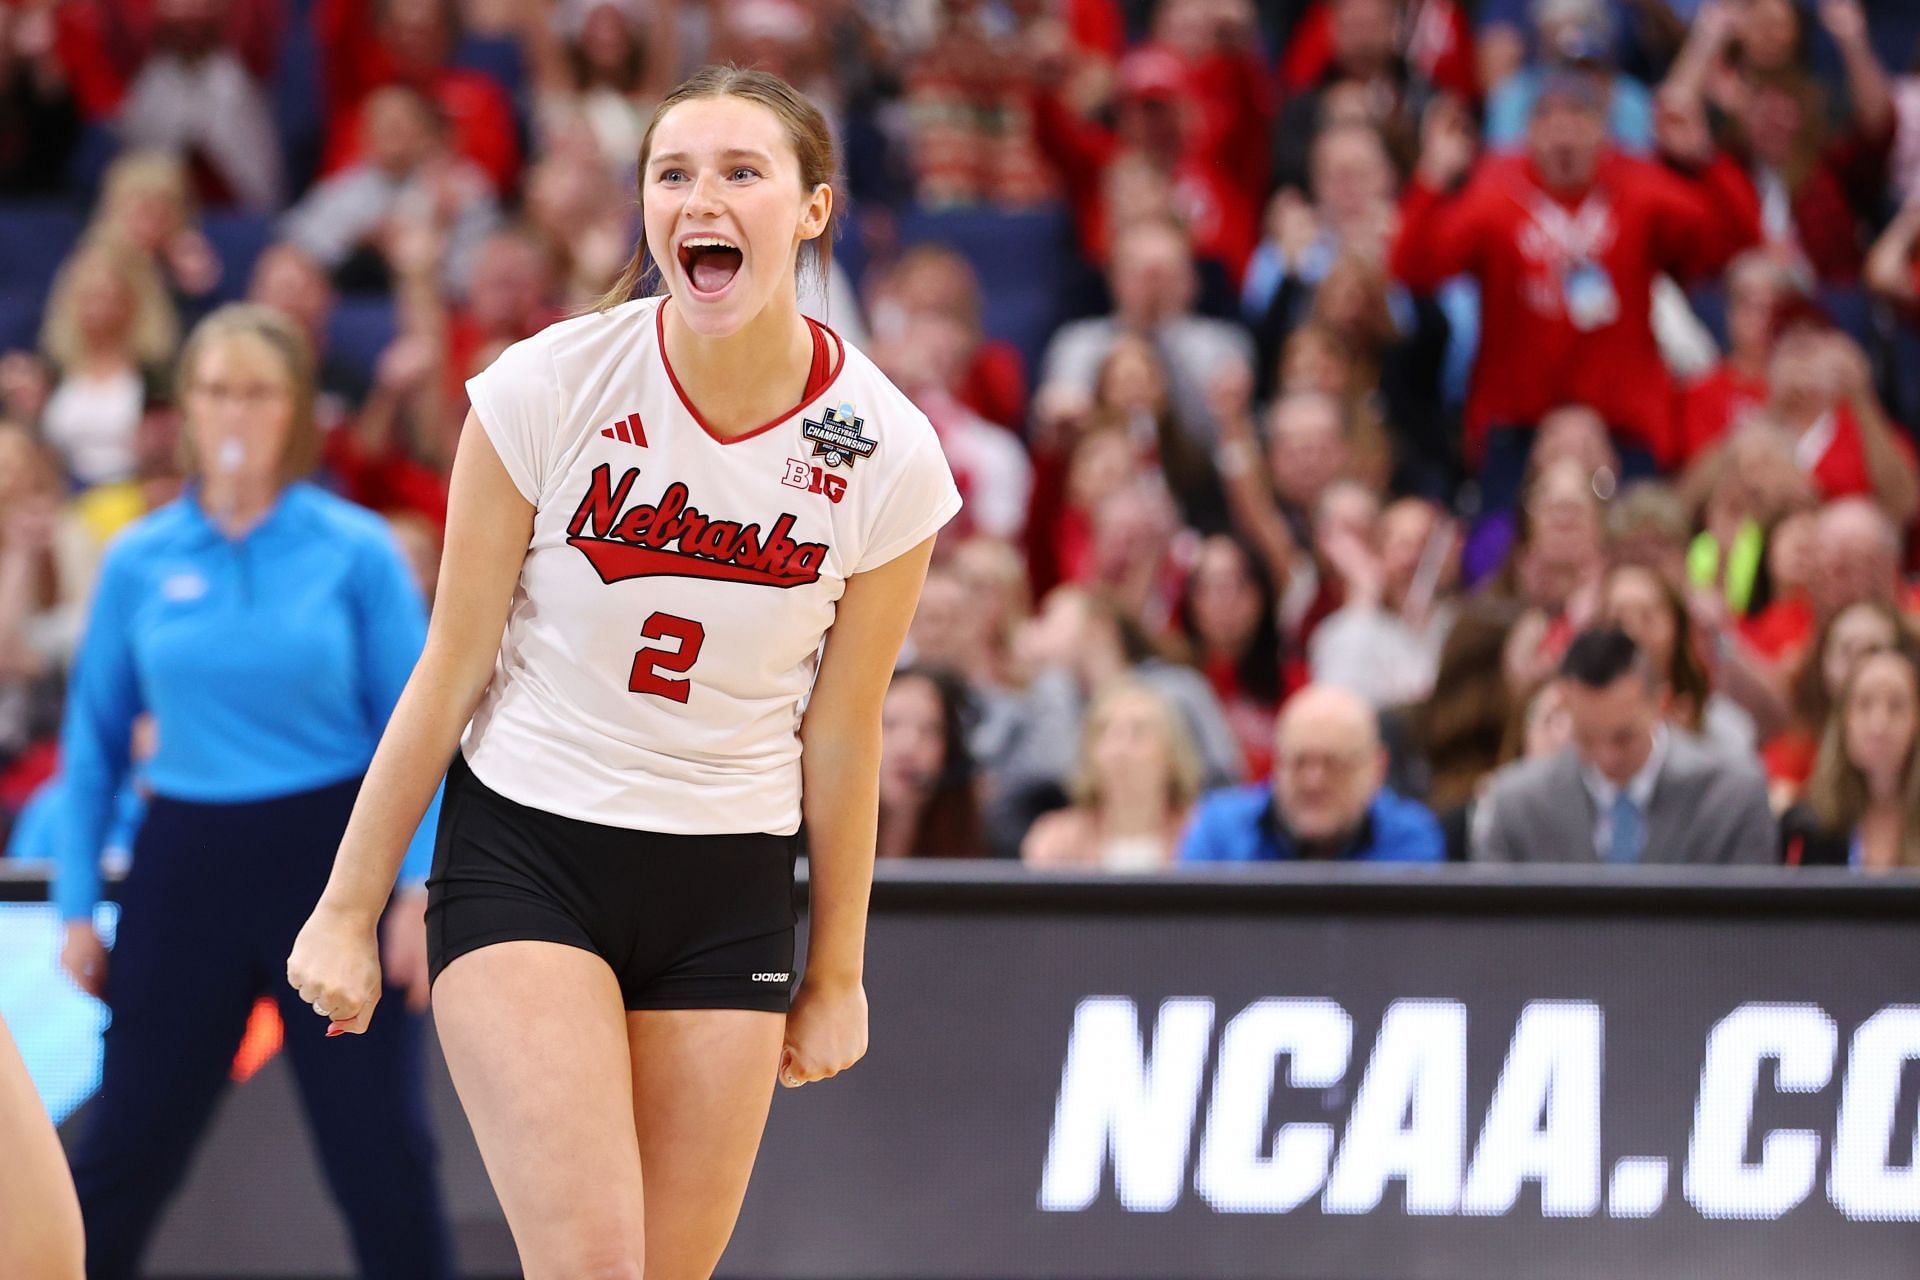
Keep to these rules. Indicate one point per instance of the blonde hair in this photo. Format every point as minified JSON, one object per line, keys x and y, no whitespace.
{"x":1836,"y":789}
{"x":136,"y":173}
{"x":250,"y":319}
{"x":1183,"y":760}
{"x":155,"y":328}
{"x":807,"y":132}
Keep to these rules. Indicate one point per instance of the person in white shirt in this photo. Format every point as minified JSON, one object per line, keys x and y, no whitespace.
{"x":686,"y":534}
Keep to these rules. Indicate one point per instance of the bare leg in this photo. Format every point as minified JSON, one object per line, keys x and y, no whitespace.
{"x":702,"y":1084}
{"x":535,"y":1037}
{"x":40,"y":1232}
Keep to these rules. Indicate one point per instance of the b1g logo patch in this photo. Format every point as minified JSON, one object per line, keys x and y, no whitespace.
{"x":803,"y":475}
{"x":836,"y":437}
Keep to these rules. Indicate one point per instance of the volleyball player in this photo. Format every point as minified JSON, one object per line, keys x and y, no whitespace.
{"x":686,"y":534}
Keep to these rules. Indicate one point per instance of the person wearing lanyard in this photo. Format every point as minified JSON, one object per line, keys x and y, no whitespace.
{"x":267,"y":627}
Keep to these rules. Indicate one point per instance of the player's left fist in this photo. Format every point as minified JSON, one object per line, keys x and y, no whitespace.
{"x":826,"y":1030}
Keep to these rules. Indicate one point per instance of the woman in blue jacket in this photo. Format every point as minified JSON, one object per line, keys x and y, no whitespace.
{"x":267,"y":628}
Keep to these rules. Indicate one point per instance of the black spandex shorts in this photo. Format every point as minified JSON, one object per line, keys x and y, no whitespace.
{"x":685,"y":922}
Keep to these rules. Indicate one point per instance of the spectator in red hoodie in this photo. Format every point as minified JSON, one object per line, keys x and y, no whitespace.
{"x":1566,"y":239}
{"x":369,"y":43}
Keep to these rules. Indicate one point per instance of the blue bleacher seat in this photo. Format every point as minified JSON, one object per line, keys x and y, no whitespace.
{"x":237,"y":240}
{"x":360,"y":330}
{"x":1023,"y":260}
{"x":20,"y":311}
{"x":37,"y":236}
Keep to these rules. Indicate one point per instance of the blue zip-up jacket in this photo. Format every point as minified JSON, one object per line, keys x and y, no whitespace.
{"x":1240,"y":824}
{"x":270,"y":664}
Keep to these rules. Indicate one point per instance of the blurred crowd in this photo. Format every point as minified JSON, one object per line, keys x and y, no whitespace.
{"x":1458,"y":430}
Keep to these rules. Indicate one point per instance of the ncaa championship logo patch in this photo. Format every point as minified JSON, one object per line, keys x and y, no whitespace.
{"x":836,"y":437}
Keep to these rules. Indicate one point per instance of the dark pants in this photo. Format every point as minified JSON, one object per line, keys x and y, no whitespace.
{"x":208,"y":914}
{"x":1504,"y":466}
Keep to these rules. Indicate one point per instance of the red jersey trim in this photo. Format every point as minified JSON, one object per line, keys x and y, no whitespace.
{"x":819,"y":377}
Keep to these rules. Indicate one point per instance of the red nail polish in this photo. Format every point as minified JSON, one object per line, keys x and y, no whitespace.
{"x":335,"y":1031}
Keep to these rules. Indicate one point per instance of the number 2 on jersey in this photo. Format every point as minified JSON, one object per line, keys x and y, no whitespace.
{"x":664,"y":626}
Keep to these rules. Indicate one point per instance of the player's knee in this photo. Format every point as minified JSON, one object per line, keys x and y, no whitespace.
{"x":590,"y":1256}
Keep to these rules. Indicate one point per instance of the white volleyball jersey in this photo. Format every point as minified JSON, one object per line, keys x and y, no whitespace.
{"x":668,"y":619}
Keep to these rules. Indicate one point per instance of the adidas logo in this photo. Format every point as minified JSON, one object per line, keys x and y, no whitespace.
{"x":626,"y":431}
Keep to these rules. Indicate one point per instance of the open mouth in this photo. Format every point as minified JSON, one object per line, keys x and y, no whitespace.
{"x":709,"y":263}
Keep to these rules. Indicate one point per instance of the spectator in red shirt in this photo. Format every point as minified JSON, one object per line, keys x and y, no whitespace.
{"x":369,"y":43}
{"x":1437,"y":40}
{"x":1822,"y":403}
{"x":1566,"y":240}
{"x":1758,"y":283}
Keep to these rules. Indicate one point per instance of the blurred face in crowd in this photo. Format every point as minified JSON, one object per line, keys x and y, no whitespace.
{"x":607,"y":41}
{"x":1564,"y":140}
{"x":1328,"y":762}
{"x":1790,"y":557}
{"x":1797,"y":378}
{"x":1636,"y":601}
{"x":1613,"y":726}
{"x":1858,"y":631}
{"x":1103,"y":462}
{"x":1882,"y":712}
{"x":1129,"y":744}
{"x":944,"y":631}
{"x":725,"y":167}
{"x":1856,"y":553}
{"x":1133,"y":527}
{"x":416,"y":33}
{"x":1224,"y":597}
{"x":1549,"y":724}
{"x":1152,"y":276}
{"x":239,"y":404}
{"x":994,"y":578}
{"x":1351,"y":174}
{"x":507,"y":292}
{"x":1307,"y":447}
{"x":941,"y":283}
{"x":287,"y":279}
{"x":913,"y":745}
{"x":1577,"y":432}
{"x":1347,"y":509}
{"x":1773,"y":118}
{"x":1564,"y":516}
{"x":1131,"y":380}
{"x":103,"y":300}
{"x":1314,"y":360}
{"x":399,"y":131}
{"x":1365,"y":35}
{"x":1753,"y":289}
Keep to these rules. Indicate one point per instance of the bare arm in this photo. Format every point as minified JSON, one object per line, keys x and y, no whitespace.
{"x":840,"y":758}
{"x":40,"y":1234}
{"x":1868,"y":88}
{"x":488,"y":528}
{"x":840,"y":773}
{"x":1889,"y":268}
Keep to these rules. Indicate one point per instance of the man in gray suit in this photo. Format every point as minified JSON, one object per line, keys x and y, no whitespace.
{"x":1627,"y":789}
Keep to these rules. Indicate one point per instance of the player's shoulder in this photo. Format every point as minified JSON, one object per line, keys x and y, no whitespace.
{"x":586,"y":337}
